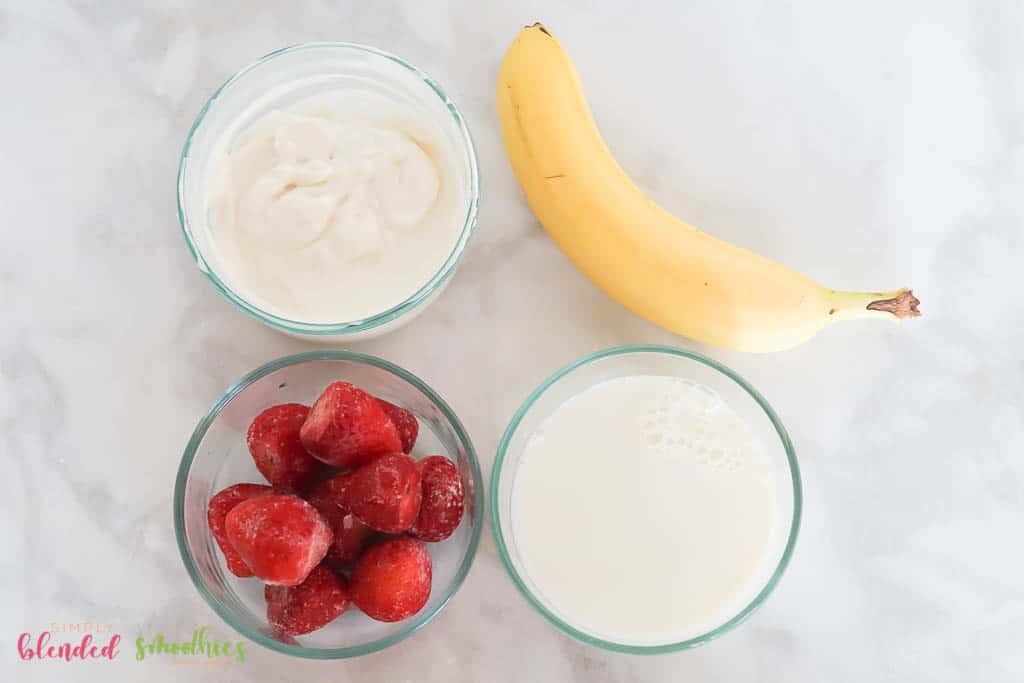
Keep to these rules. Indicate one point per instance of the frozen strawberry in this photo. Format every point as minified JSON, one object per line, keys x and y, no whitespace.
{"x":274,"y":443}
{"x":350,"y":535}
{"x":329,"y":496}
{"x":351,"y":538}
{"x":386,"y":493}
{"x":347,"y":427}
{"x":219,"y":507}
{"x":280,"y":537}
{"x":314,"y":603}
{"x":391,"y":581}
{"x":405,"y":422}
{"x":441,"y":509}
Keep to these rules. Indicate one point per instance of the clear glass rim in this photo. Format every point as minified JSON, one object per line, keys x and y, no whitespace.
{"x":351,"y":327}
{"x":520,"y":584}
{"x":192,"y":447}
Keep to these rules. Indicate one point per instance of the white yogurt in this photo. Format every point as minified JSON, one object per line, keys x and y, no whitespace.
{"x":336,"y":209}
{"x":644,"y":511}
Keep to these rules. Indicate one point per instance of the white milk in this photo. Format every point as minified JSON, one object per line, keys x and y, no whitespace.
{"x":644,"y":511}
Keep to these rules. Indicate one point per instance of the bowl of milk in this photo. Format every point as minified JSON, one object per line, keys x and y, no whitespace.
{"x":645,"y":499}
{"x":329,"y":190}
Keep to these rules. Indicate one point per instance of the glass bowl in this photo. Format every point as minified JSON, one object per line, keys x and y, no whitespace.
{"x":216,"y":457}
{"x":284,"y":77}
{"x":644,"y":360}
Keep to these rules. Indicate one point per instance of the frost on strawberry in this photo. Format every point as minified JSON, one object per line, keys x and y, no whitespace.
{"x":275,"y":446}
{"x":311,"y":605}
{"x":385,"y":494}
{"x":280,"y":537}
{"x":405,"y":422}
{"x":216,"y":513}
{"x":348,"y":427}
{"x":443,"y":499}
{"x":351,"y":536}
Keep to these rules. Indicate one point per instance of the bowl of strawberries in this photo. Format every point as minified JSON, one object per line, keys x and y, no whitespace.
{"x":328,"y":505}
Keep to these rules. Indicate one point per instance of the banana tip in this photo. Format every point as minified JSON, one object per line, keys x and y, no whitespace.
{"x":903,"y":305}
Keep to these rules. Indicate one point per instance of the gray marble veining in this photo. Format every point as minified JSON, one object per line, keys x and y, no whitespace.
{"x":870,"y":144}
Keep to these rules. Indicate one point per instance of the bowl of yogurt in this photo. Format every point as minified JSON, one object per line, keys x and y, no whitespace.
{"x":645,"y":499}
{"x":329,"y":190}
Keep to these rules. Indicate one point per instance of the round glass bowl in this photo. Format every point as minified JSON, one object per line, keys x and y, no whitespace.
{"x":285,"y":77}
{"x":631,"y":361}
{"x":216,"y":457}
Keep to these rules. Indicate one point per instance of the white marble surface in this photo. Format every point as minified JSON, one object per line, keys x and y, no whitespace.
{"x":870,"y":144}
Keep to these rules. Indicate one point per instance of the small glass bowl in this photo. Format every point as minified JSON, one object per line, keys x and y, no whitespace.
{"x":216,"y":457}
{"x":277,"y":80}
{"x":642,"y":360}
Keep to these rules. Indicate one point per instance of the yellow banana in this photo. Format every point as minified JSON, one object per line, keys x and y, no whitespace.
{"x":651,"y":262}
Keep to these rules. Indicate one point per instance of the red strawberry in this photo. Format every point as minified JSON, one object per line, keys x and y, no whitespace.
{"x":350,"y":535}
{"x":280,"y":537}
{"x":274,"y":443}
{"x":386,"y":493}
{"x":405,"y":422}
{"x":347,"y":427}
{"x":312,"y":604}
{"x":218,"y":509}
{"x":391,"y":581}
{"x":441,"y":509}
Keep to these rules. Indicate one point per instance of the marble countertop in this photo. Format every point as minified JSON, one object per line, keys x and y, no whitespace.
{"x":870,"y":145}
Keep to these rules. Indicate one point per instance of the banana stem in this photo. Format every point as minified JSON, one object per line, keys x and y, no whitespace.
{"x":854,"y":305}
